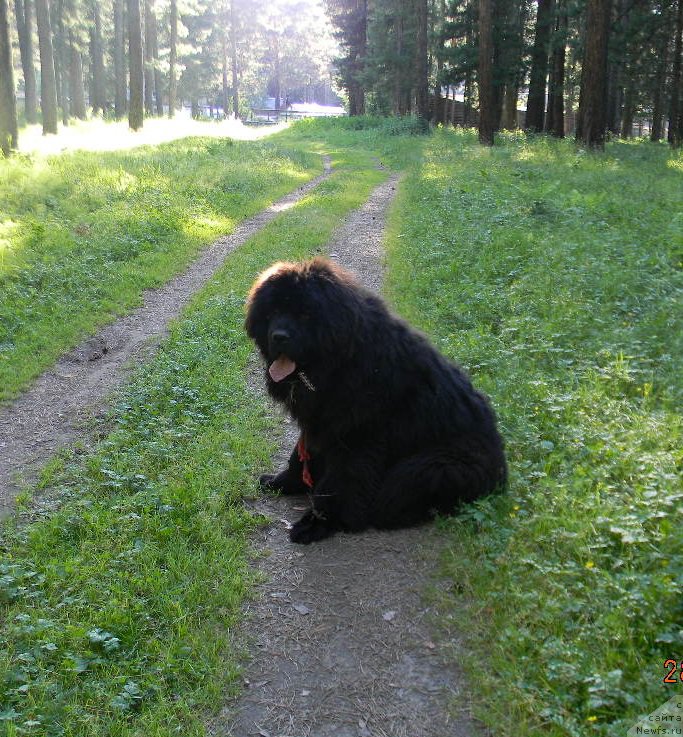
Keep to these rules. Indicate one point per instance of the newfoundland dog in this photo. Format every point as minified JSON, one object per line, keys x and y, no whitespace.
{"x":391,"y":431}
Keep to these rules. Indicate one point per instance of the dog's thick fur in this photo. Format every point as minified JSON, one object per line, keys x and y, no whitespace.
{"x":395,"y":432}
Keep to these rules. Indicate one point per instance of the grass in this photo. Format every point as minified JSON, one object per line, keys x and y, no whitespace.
{"x":117,"y":609}
{"x":556,"y":278}
{"x":83,"y":234}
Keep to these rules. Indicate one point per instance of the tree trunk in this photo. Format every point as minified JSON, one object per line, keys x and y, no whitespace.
{"x":629,"y":109}
{"x":76,"y":81}
{"x":658,"y":96}
{"x":152,"y":75}
{"x":48,"y":88}
{"x":675,"y":133}
{"x":99,"y":94}
{"x":9,"y":130}
{"x":233,"y":54}
{"x":224,"y":70}
{"x":172,"y":82}
{"x":422,"y":62}
{"x":154,"y":39}
{"x":62,"y":54}
{"x":555,"y":120}
{"x":487,"y":121}
{"x":277,"y":91}
{"x":22,"y":12}
{"x":357,"y":53}
{"x":590,"y":129}
{"x":120,"y":87}
{"x":508,"y":120}
{"x":148,"y":60}
{"x":539,"y":68}
{"x":136,"y":83}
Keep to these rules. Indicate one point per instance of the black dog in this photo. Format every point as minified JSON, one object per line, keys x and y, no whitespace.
{"x":391,"y":431}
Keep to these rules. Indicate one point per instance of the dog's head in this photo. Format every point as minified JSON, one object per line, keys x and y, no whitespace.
{"x":302,"y":317}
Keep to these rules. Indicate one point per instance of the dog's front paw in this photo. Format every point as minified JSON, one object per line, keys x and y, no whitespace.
{"x":265,"y":481}
{"x":310,"y":528}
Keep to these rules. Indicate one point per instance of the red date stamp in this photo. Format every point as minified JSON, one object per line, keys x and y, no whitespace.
{"x":674,"y":670}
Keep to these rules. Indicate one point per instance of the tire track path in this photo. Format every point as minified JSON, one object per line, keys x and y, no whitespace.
{"x":339,"y":635}
{"x":52,"y":412}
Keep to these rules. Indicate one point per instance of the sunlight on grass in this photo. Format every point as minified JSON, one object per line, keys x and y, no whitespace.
{"x":554,"y":277}
{"x":7,"y":231}
{"x":93,"y":229}
{"x":100,"y":135}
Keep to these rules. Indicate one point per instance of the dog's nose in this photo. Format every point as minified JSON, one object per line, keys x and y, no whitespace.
{"x":279,"y":336}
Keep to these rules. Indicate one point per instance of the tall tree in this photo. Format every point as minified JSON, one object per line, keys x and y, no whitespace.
{"x":658,"y":97}
{"x":158,"y":81}
{"x":173,"y":59}
{"x":591,"y":122}
{"x":539,"y":68}
{"x":76,"y":79}
{"x":136,"y":83}
{"x":9,"y":131}
{"x":120,"y":87}
{"x":48,"y":87}
{"x":554,"y":123}
{"x":350,"y":18}
{"x":487,"y":115}
{"x":233,"y":59}
{"x":23,"y":15}
{"x":675,"y":107}
{"x":422,"y":61}
{"x":152,"y":73}
{"x":99,"y":93}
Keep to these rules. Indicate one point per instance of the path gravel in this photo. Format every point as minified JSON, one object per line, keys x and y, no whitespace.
{"x":340,"y":637}
{"x":52,"y":413}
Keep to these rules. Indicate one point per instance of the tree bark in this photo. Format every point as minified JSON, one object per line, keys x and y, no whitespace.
{"x":120,"y":87}
{"x":357,"y":53}
{"x":675,"y":135}
{"x":539,"y":68}
{"x":99,"y":97}
{"x":224,"y":70}
{"x":76,"y":80}
{"x":658,"y":97}
{"x":555,"y":119}
{"x":148,"y":64}
{"x":22,"y":12}
{"x":422,"y":62}
{"x":9,"y":130}
{"x":48,"y":88}
{"x":233,"y":55}
{"x":590,"y":129}
{"x":629,"y":108}
{"x":62,"y":60}
{"x":135,"y":62}
{"x":508,"y":120}
{"x":173,"y":56}
{"x":487,"y":121}
{"x":158,"y":82}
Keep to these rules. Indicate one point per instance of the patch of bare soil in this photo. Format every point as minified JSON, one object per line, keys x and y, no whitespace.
{"x":342,"y":641}
{"x":52,"y":413}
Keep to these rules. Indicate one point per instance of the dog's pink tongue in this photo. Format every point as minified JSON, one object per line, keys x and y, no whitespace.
{"x":281,"y":368}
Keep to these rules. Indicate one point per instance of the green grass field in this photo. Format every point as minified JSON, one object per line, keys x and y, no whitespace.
{"x":554,"y":276}
{"x":83,"y":234}
{"x":117,"y":610}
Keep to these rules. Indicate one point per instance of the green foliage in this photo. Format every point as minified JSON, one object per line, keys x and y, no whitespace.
{"x":555,"y":277}
{"x":117,"y":608}
{"x":82,"y":235}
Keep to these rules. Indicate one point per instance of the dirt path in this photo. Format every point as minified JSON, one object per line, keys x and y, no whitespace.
{"x":52,"y":412}
{"x":340,"y":637}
